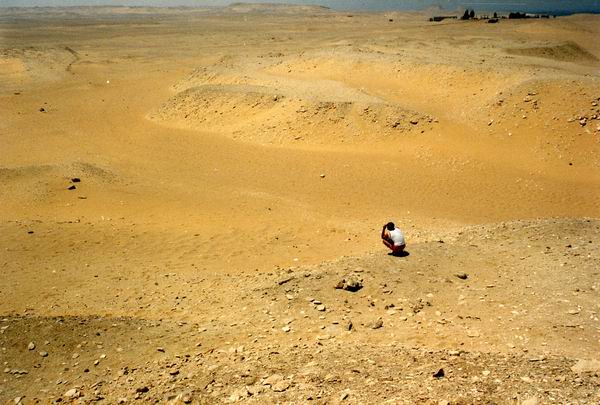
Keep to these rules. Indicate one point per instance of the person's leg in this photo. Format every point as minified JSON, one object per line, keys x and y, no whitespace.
{"x":389,"y":244}
{"x":398,"y":249}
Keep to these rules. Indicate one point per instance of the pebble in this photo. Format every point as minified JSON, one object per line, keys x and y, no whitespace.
{"x":286,"y":328}
{"x":31,"y":346}
{"x":72,"y":393}
{"x":321,"y":307}
{"x":377,"y":324}
{"x":351,"y":283}
{"x":43,"y":354}
{"x":273,"y":379}
{"x":280,"y":386}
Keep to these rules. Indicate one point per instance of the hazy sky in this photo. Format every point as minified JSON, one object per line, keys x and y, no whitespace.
{"x":515,"y":5}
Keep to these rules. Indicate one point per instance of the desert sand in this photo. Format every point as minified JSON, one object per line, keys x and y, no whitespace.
{"x":182,"y":190}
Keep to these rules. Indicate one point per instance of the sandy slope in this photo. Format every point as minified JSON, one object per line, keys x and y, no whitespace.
{"x":219,"y":149}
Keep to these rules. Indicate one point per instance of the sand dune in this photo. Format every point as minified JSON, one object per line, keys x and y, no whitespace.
{"x":270,"y":116}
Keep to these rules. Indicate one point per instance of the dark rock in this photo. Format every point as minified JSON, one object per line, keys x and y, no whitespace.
{"x":72,"y":188}
{"x":75,"y":180}
{"x":462,"y":276}
{"x":439,"y":374}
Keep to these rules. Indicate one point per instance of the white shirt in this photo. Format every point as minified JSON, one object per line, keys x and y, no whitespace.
{"x":397,"y":236}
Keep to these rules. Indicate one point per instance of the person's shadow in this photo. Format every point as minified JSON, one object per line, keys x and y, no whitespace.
{"x":404,"y":253}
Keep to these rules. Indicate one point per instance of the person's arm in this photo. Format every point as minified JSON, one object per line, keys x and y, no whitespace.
{"x":383,"y":232}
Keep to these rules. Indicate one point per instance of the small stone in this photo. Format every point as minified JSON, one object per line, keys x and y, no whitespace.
{"x":17,"y":400}
{"x":377,"y":324}
{"x":583,"y":122}
{"x":7,"y":370}
{"x":254,"y":389}
{"x":322,"y":175}
{"x":72,"y":187}
{"x":286,"y":328}
{"x":462,"y":276}
{"x":160,"y":349}
{"x":273,"y":379}
{"x":348,"y":325}
{"x":31,"y":346}
{"x":72,"y":393}
{"x":280,"y":386}
{"x":174,"y":372}
{"x":321,"y":308}
{"x":142,"y":389}
{"x":526,"y":379}
{"x":350,"y":283}
{"x":43,"y":354}
{"x":439,"y":374}
{"x":344,"y":395}
{"x":75,"y":180}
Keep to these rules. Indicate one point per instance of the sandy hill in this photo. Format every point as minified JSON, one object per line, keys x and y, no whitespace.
{"x":270,"y":8}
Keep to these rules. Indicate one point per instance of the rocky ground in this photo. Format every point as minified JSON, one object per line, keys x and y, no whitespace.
{"x":504,"y":313}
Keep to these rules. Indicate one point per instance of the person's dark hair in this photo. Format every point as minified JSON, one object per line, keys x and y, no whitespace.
{"x":390,"y":226}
